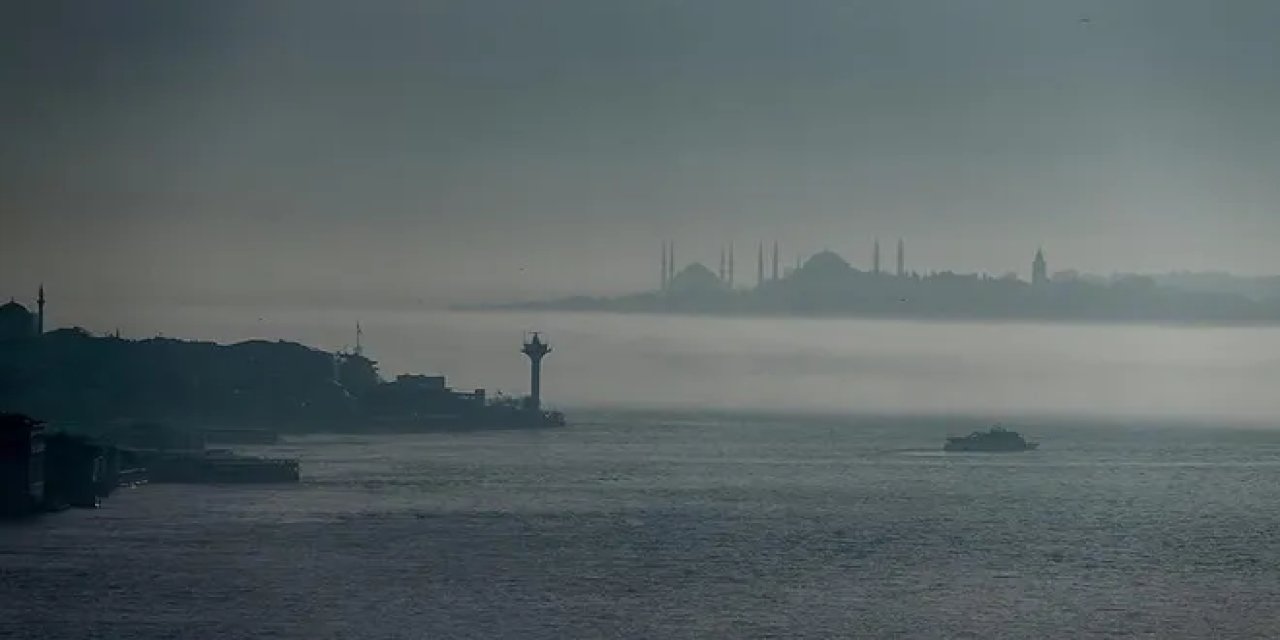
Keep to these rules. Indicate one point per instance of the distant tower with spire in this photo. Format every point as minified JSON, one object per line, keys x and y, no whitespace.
{"x":775,"y":259}
{"x":1039,"y":269}
{"x":359,"y":350}
{"x":902,"y":258}
{"x":724,"y":276}
{"x":875,"y":258}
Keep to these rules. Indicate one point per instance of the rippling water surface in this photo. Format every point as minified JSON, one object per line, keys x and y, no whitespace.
{"x":683,"y":525}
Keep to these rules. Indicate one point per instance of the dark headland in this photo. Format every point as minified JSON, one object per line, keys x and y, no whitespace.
{"x":828,"y":285}
{"x":69,"y":376}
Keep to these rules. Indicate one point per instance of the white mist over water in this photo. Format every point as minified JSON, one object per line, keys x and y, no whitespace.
{"x":790,"y":364}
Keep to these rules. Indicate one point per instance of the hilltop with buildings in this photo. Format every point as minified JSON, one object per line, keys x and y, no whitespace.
{"x":70,"y":376}
{"x":827,"y":284}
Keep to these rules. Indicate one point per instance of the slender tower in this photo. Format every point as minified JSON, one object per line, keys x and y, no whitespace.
{"x":671,"y":263}
{"x":723,"y":275}
{"x":730,"y":265}
{"x":359,"y":351}
{"x":775,"y":259}
{"x":1039,"y":269}
{"x":902,"y":258}
{"x":536,"y":349}
{"x":760,"y":264}
{"x":40,"y":312}
{"x":875,"y":258}
{"x":663,"y":280}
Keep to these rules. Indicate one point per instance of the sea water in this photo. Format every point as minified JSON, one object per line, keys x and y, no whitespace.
{"x":684,"y":525}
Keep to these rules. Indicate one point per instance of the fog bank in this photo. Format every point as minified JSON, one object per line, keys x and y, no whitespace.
{"x":784,"y":364}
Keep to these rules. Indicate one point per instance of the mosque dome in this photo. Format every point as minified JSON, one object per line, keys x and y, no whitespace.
{"x":826,"y":262}
{"x":12,"y":307}
{"x":696,"y":278}
{"x":16,"y":321}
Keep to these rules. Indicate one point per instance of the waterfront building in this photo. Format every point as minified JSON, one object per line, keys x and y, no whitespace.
{"x":22,"y":445}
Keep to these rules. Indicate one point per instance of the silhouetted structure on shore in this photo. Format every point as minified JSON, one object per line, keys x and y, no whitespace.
{"x":22,"y":449}
{"x":42,"y":471}
{"x":48,"y":471}
{"x":535,"y":349}
{"x":1039,"y":269}
{"x":18,"y":323}
{"x":69,"y":376}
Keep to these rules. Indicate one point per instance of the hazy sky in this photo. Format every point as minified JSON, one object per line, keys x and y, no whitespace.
{"x":472,"y":148}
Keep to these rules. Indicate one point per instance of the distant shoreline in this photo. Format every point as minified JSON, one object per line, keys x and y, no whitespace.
{"x":845,"y":315}
{"x":828,"y":286}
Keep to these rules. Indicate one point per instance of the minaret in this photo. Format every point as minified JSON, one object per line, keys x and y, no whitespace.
{"x":775,"y":259}
{"x":875,"y":258}
{"x":902,"y":258}
{"x":723,"y":278}
{"x":40,"y":312}
{"x":536,"y":349}
{"x":730,"y":265}
{"x":359,"y":351}
{"x":663,"y":280}
{"x":760,"y":264}
{"x":671,"y":262}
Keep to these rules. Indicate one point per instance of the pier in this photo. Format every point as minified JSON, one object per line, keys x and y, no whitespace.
{"x":42,"y":471}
